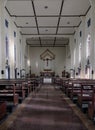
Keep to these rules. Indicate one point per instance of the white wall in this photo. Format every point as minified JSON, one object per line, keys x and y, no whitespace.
{"x":9,"y":32}
{"x":63,"y":58}
{"x":85,"y":31}
{"x":0,"y":43}
{"x":68,"y":58}
{"x":58,"y":63}
{"x":13,"y":40}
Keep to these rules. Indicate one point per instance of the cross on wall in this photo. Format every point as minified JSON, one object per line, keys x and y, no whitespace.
{"x":47,"y":61}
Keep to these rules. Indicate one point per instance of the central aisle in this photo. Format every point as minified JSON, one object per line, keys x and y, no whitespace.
{"x":46,"y":110}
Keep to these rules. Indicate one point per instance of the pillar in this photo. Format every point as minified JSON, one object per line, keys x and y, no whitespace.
{"x":92,"y":2}
{"x":2,"y":38}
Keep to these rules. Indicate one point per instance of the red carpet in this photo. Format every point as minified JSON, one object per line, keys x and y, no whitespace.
{"x":47,"y":110}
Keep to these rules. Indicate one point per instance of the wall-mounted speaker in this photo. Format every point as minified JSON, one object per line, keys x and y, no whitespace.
{"x":2,"y":71}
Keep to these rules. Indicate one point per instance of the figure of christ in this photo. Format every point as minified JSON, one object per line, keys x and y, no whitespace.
{"x":47,"y":61}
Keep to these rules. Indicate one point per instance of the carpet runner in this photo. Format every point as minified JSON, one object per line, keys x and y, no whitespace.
{"x":46,"y":110}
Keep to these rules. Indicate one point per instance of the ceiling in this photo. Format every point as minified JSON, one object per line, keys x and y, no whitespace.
{"x":47,"y":22}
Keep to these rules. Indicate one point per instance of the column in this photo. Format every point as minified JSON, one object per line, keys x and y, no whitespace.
{"x":92,"y":2}
{"x":83,"y":56}
{"x":71,"y":43}
{"x":2,"y":38}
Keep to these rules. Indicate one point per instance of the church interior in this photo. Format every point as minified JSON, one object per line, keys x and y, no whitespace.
{"x":47,"y":64}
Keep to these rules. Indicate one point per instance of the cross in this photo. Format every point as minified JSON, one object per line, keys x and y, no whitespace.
{"x":47,"y":61}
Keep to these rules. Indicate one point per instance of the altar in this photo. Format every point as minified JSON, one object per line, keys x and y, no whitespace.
{"x":47,"y":73}
{"x":47,"y":80}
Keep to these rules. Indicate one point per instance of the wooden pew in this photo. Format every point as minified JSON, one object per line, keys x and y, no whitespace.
{"x":16,"y":89}
{"x":83,"y":92}
{"x":9,"y":96}
{"x":64,"y":82}
{"x":3,"y":109}
{"x":85,"y":97}
{"x":23,"y":87}
{"x":70,"y":84}
{"x":58,"y":82}
{"x":75,"y":90}
{"x":36,"y":83}
{"x":26,"y":85}
{"x":68,"y":88}
{"x":91,"y":107}
{"x":73,"y":87}
{"x":19,"y":87}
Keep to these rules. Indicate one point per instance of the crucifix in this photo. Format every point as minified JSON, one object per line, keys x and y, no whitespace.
{"x":47,"y":61}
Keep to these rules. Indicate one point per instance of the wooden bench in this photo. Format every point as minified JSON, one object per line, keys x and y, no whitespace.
{"x":35,"y":83}
{"x":18,"y":87}
{"x":69,"y":85}
{"x":64,"y":81}
{"x":86,"y":96}
{"x":72,"y":88}
{"x":3,"y":109}
{"x":91,"y":107}
{"x":9,"y":96}
{"x":75,"y":90}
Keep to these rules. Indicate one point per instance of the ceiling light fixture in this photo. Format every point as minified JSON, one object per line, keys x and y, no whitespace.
{"x":26,"y":22}
{"x":46,"y":7}
{"x":68,"y":22}
{"x":46,"y":30}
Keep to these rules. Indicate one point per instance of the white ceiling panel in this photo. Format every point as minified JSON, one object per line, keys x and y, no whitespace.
{"x":46,"y":18}
{"x":61,"y":42}
{"x":33,"y":39}
{"x":25,"y":21}
{"x":75,"y":7}
{"x":29,"y":30}
{"x":47,"y":30}
{"x":62,"y":38}
{"x":33,"y":42}
{"x":47,"y":38}
{"x":69,"y":21}
{"x":47,"y":42}
{"x":47,"y":7}
{"x":47,"y":21}
{"x":20,"y":8}
{"x":65,"y":30}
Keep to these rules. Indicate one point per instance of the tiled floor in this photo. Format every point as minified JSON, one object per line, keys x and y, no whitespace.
{"x":48,"y":109}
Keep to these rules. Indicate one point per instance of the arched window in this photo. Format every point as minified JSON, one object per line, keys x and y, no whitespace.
{"x":7,"y":48}
{"x":88,"y":46}
{"x":7,"y":58}
{"x":14,"y":54}
{"x":74,"y":56}
{"x":80,"y":53}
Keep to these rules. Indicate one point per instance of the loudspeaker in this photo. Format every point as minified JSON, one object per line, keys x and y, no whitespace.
{"x":2,"y":71}
{"x":92,"y":71}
